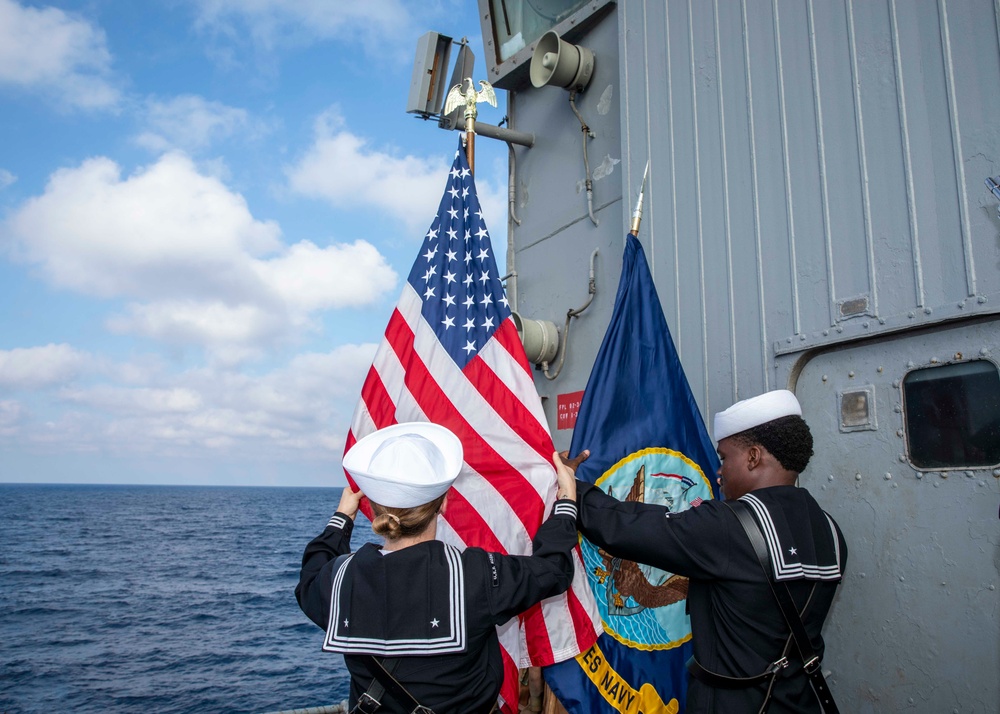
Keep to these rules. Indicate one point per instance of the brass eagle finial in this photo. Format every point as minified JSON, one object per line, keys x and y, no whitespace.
{"x":470,"y":97}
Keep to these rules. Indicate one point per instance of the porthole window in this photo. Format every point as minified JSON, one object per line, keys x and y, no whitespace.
{"x":952,"y":415}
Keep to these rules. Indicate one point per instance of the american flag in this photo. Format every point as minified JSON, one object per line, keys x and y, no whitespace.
{"x":451,"y":355}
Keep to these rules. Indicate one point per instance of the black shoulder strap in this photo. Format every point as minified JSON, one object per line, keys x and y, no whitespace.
{"x":383,"y":676}
{"x":810,"y":661}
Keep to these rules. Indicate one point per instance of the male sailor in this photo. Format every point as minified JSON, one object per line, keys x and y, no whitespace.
{"x":745,"y":659}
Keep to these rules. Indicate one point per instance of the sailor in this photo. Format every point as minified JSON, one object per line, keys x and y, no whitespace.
{"x":745,"y":659}
{"x":414,"y":607}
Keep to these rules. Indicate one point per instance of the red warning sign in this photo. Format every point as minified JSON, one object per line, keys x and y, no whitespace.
{"x":567,"y":409}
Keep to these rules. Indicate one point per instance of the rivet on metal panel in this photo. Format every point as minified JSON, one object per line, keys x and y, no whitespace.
{"x":911,"y":314}
{"x":902,"y":458}
{"x":879,"y":369}
{"x":936,"y":484}
{"x":830,"y":477}
{"x":919,"y":475}
{"x":902,"y":579}
{"x":909,"y":365}
{"x":899,"y":433}
{"x":934,"y":360}
{"x":826,"y":333}
{"x":802,"y":337}
{"x":944,"y":474}
{"x":881,"y":321}
{"x":983,"y":352}
{"x":895,"y":384}
{"x":898,"y":409}
{"x":839,"y":328}
{"x":970,"y":474}
{"x":958,"y":355}
{"x":981,"y":299}
{"x":824,"y":377}
{"x":895,"y":485}
{"x":857,"y":477}
{"x":888,"y":476}
{"x":928,"y":310}
{"x":864,"y":324}
{"x":993,"y":587}
{"x":861,"y":575}
{"x":961,"y":305}
{"x":996,"y":472}
{"x":850,"y":374}
{"x":788,"y":340}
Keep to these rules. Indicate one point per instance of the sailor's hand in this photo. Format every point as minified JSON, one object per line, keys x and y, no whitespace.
{"x":349,"y":501}
{"x":574,"y":463}
{"x":566,"y":478}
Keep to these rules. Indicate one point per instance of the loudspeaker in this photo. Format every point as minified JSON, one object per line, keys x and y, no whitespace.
{"x":539,"y":337}
{"x":561,"y":64}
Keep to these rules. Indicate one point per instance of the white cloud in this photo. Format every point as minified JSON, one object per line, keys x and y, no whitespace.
{"x":301,"y":410}
{"x":191,"y":123}
{"x":348,"y":172}
{"x":309,"y":278}
{"x":11,"y":417}
{"x":48,"y":50}
{"x":271,"y":22}
{"x":214,"y":324}
{"x":143,"y":400}
{"x":199,"y":268}
{"x":163,"y":229}
{"x":6,"y":178}
{"x":37,"y":367}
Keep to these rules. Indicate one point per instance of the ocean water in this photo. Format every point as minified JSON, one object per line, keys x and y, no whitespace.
{"x":160,"y":599}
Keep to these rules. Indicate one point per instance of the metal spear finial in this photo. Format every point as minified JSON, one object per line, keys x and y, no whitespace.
{"x":637,"y":214}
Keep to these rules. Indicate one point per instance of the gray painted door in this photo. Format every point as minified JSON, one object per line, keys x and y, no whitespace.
{"x":916,"y":626}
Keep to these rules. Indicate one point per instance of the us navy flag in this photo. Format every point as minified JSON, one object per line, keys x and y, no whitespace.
{"x":648,"y":442}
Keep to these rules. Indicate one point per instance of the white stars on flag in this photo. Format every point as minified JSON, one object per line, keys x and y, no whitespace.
{"x":480,"y":306}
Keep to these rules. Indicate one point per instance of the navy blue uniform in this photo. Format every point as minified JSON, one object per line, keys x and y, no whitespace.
{"x":737,"y":627}
{"x":433,"y":608}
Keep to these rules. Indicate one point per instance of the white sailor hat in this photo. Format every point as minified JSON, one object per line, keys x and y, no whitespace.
{"x":405,"y":465}
{"x":756,"y":411}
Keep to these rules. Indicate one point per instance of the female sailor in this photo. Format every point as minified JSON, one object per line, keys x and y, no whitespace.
{"x":415,"y":618}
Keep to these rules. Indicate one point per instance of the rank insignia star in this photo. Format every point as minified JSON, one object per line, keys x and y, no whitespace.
{"x":435,"y":622}
{"x":792,"y":551}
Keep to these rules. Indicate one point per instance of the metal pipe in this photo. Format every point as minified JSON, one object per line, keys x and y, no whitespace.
{"x":586,"y":161}
{"x":490,"y":131}
{"x":570,"y":314}
{"x":512,"y":186}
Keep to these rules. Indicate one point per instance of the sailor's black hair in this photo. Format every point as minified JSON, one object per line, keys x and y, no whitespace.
{"x":787,"y":438}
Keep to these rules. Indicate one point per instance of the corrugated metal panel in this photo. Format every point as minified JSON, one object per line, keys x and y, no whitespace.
{"x":817,"y":171}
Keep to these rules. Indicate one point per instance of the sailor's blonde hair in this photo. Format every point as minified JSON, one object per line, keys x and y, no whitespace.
{"x":395,"y":523}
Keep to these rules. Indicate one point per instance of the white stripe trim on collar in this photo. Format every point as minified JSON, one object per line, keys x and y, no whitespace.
{"x":452,"y":643}
{"x":784,"y":570}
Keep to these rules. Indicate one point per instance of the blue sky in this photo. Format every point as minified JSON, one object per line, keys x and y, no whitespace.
{"x":207,"y":210}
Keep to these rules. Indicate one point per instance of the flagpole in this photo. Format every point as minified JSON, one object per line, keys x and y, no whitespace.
{"x":470,"y":97}
{"x":470,"y":136}
{"x":637,"y":214}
